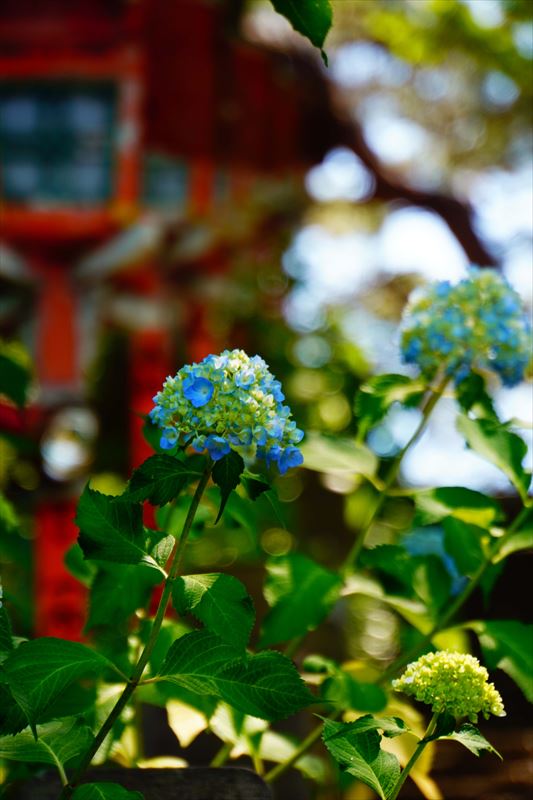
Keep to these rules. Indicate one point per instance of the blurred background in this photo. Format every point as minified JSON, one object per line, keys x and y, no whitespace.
{"x":177,"y":178}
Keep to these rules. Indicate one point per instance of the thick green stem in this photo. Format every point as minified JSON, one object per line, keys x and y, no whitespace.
{"x":431,"y":401}
{"x":139,"y":668}
{"x":422,"y":744}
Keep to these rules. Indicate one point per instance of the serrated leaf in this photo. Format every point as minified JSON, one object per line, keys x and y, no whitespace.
{"x":159,"y":480}
{"x":104,"y":791}
{"x":497,"y":444}
{"x":325,"y":454}
{"x":469,"y":736}
{"x":58,"y":742}
{"x":311,"y":18}
{"x":375,"y":398}
{"x":14,"y":379}
{"x":434,"y":505}
{"x":358,"y":751}
{"x":220,"y":601}
{"x":266,"y":685}
{"x":12,"y":717}
{"x":38,"y":672}
{"x":111,"y":530}
{"x":301,"y":593}
{"x":117,"y":592}
{"x":227,"y":475}
{"x":464,"y":543}
{"x":508,"y":645}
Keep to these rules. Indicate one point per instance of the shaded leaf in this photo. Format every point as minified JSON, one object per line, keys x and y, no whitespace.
{"x":301,"y":593}
{"x":227,"y":475}
{"x":14,"y":378}
{"x":347,"y":692}
{"x":111,"y":530}
{"x":255,"y":485}
{"x":159,"y":480}
{"x":469,"y":736}
{"x":58,"y":742}
{"x":117,"y":592}
{"x":508,"y":645}
{"x":472,"y":395}
{"x":325,"y":454}
{"x":434,"y":505}
{"x":38,"y":672}
{"x":220,"y":601}
{"x":266,"y":685}
{"x":6,"y":635}
{"x":12,"y":717}
{"x":377,"y":395}
{"x":522,"y":539}
{"x":498,"y":445}
{"x":464,"y":543}
{"x":311,"y":18}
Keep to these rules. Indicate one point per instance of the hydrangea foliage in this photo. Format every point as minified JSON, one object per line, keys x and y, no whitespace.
{"x":228,"y":402}
{"x":476,"y":324}
{"x":452,"y":683}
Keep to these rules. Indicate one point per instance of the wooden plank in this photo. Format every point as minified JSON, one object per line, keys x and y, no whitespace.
{"x":196,"y":783}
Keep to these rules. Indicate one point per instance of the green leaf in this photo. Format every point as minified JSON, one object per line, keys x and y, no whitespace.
{"x":434,"y":505}
{"x":117,"y":592}
{"x":325,"y":454}
{"x":12,"y":717}
{"x":9,"y":522}
{"x":227,"y":475}
{"x":357,"y":749}
{"x":266,"y":685}
{"x":469,"y":736}
{"x":58,"y":742}
{"x":472,"y":395}
{"x":522,"y":539}
{"x":220,"y":601}
{"x":6,"y":635}
{"x":498,"y":445}
{"x":379,"y":393}
{"x":254,"y":485}
{"x":38,"y":672}
{"x":104,"y":791}
{"x":464,"y":543}
{"x":508,"y":645}
{"x":432,"y":582}
{"x":347,"y":692}
{"x":279,"y":747}
{"x":311,"y":18}
{"x":159,"y":479}
{"x":14,"y":377}
{"x":301,"y":593}
{"x":111,"y":530}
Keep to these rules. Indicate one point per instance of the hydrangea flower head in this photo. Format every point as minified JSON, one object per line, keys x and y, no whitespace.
{"x":454,"y":683}
{"x":229,"y":401}
{"x":476,"y":324}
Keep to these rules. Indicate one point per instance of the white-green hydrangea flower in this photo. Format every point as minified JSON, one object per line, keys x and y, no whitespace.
{"x":452,"y":683}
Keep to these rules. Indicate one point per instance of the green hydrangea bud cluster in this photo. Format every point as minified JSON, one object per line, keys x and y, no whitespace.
{"x":454,"y":683}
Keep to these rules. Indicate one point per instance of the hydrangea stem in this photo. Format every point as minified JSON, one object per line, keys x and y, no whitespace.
{"x":139,"y":668}
{"x":432,"y":398}
{"x":422,"y":744}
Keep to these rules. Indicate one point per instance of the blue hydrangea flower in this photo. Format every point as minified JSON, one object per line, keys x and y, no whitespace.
{"x":228,"y":401}
{"x":478,"y":324}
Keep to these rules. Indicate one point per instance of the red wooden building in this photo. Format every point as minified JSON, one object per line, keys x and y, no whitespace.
{"x":126,"y":125}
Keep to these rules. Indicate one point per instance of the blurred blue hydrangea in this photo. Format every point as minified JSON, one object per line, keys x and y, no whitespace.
{"x":225,"y":402}
{"x":477,"y":324}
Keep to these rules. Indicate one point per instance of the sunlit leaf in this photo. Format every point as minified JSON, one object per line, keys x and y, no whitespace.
{"x":434,"y":505}
{"x":266,"y":685}
{"x":220,"y":601}
{"x":58,"y":742}
{"x":325,"y":454}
